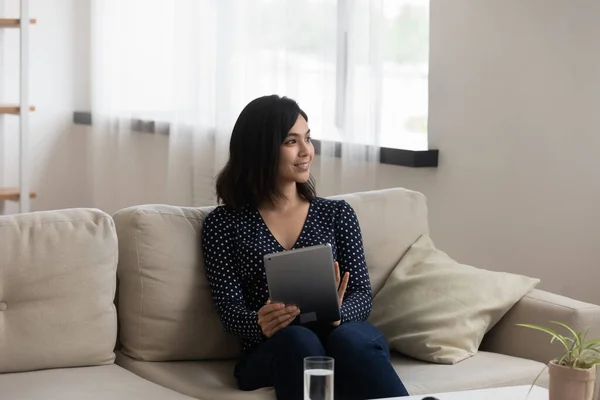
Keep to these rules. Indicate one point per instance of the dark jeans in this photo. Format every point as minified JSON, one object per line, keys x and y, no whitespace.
{"x":362,"y":362}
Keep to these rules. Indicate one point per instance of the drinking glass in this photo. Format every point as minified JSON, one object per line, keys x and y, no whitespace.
{"x":318,"y":378}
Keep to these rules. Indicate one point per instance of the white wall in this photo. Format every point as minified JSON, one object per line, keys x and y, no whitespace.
{"x":57,"y":85}
{"x":514,"y":97}
{"x":515,"y":112}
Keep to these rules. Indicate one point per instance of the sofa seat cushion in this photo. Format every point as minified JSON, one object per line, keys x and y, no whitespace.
{"x":483,"y":370}
{"x":107,"y":382}
{"x":212,"y":380}
{"x":206,"y":380}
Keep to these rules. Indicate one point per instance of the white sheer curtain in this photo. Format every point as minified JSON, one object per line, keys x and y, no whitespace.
{"x":188,"y":67}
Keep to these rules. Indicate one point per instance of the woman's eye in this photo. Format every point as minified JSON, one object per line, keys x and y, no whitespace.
{"x":293,"y":141}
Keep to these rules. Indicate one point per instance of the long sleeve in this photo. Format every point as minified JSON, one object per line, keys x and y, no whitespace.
{"x":218,"y":242}
{"x":358,"y":299}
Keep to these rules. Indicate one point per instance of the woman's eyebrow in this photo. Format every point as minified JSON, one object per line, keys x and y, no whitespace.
{"x":298,"y":134}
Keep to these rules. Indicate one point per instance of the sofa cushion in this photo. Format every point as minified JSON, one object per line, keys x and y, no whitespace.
{"x":108,"y":382}
{"x":483,"y":370}
{"x":435,"y":309}
{"x":204,"y":380}
{"x":390,"y":220}
{"x":165,"y":305}
{"x":214,"y":380}
{"x":57,"y":287}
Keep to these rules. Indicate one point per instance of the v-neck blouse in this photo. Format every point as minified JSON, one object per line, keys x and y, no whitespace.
{"x":235,"y":241}
{"x":281,"y":247}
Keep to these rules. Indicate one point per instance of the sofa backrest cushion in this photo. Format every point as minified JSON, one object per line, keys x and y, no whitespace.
{"x":165,"y":304}
{"x":391,"y":220}
{"x":57,"y":288}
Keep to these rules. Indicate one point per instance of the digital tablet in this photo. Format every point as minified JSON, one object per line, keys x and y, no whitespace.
{"x":306,"y":278}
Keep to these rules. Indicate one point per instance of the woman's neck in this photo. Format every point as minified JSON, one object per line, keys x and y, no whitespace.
{"x":290,"y":198}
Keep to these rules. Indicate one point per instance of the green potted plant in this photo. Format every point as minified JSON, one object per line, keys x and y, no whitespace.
{"x":573,"y":374}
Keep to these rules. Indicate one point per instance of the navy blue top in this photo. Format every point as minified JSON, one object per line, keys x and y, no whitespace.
{"x":235,"y":241}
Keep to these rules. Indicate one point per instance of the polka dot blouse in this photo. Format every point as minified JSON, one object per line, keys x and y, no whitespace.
{"x":235,"y":241}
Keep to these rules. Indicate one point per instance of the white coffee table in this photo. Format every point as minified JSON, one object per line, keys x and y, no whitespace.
{"x":506,"y":393}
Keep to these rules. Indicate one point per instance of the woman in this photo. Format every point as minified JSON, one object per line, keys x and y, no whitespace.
{"x":270,"y":206}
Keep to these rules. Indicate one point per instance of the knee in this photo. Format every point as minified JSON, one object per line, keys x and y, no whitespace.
{"x":299,"y":338}
{"x":355,"y":336}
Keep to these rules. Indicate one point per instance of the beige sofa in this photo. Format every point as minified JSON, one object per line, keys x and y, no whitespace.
{"x":58,"y":329}
{"x":58,"y":322}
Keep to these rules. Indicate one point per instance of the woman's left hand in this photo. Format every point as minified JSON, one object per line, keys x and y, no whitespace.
{"x":341,"y":286}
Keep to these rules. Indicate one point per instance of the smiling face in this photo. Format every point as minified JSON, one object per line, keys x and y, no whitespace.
{"x":296,"y":154}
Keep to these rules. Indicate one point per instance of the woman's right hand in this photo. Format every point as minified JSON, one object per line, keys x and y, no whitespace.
{"x":275,"y":316}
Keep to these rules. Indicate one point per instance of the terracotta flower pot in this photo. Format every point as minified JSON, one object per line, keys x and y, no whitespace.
{"x":568,"y":383}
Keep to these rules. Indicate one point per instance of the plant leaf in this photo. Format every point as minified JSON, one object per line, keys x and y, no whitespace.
{"x":588,"y":358}
{"x":534,"y":381}
{"x":588,"y":349}
{"x":589,"y":363}
{"x":584,"y":335}
{"x":591,"y":343}
{"x":576,"y":343}
{"x":555,"y":335}
{"x":576,"y":335}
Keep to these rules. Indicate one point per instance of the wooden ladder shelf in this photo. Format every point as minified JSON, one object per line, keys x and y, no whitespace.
{"x":21,"y":109}
{"x":13,"y":22}
{"x":12,"y":194}
{"x":12,"y":109}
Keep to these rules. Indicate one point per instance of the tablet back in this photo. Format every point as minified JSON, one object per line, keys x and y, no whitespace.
{"x":305,"y":277}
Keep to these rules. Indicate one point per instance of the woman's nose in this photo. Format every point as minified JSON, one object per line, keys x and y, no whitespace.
{"x":304,"y":149}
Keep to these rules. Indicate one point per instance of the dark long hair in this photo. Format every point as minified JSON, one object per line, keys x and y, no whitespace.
{"x":249,"y":177}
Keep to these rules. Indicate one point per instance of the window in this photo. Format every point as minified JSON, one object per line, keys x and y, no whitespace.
{"x":404,"y":111}
{"x":358,"y":67}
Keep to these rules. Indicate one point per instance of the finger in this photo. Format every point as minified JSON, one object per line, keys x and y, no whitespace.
{"x":281,"y":319}
{"x":346,"y":279}
{"x":336,"y":266}
{"x":283,"y":313}
{"x":281,"y":325}
{"x":269,"y":308}
{"x":344,"y":285}
{"x":265,"y":320}
{"x":284,"y":324}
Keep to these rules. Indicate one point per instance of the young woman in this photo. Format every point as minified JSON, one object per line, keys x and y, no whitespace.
{"x":270,"y":206}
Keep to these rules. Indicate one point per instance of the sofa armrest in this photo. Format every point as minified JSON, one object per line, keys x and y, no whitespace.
{"x":539,"y":307}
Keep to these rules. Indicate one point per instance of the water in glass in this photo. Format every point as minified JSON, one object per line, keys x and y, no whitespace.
{"x":318,"y":384}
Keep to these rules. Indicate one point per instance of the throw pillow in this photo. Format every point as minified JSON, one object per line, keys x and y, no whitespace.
{"x":434,"y":309}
